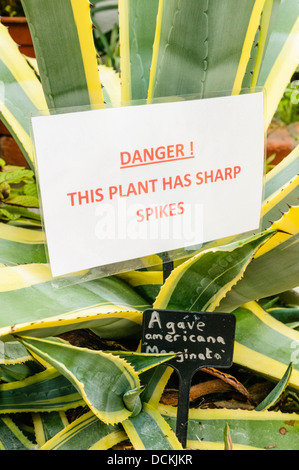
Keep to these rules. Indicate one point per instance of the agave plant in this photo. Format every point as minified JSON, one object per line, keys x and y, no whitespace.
{"x":115,"y":390}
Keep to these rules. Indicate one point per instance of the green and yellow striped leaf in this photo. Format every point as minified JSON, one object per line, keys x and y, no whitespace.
{"x":143,"y":362}
{"x":145,"y":283}
{"x":273,"y":270}
{"x":18,"y":84}
{"x":266,"y":26}
{"x":277,"y":391}
{"x":16,"y":372}
{"x":282,"y":173}
{"x":246,"y":83}
{"x":13,"y":352}
{"x":11,"y":437}
{"x":149,"y":431}
{"x":86,"y":433}
{"x":110,"y":80}
{"x":280,"y":202}
{"x":137,"y":24}
{"x":45,"y":391}
{"x":287,"y":315}
{"x":47,"y":425}
{"x":281,"y":188}
{"x":85,"y":368}
{"x":250,"y":430}
{"x":65,"y":52}
{"x":20,"y":245}
{"x":31,"y":304}
{"x":196,"y":51}
{"x":264,"y":344}
{"x":281,"y":56}
{"x":200,"y":283}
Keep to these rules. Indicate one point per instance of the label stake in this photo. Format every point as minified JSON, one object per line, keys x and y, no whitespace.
{"x":200,"y":339}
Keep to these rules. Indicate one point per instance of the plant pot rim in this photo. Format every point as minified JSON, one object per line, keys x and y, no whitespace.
{"x":13,"y":19}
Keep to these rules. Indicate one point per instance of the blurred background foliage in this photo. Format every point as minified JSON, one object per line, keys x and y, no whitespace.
{"x":11,"y":8}
{"x":288,"y":109}
{"x":106,"y":33}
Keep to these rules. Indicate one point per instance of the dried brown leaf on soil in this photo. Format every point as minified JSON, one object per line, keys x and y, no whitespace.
{"x":170,"y":396}
{"x":227,"y":378}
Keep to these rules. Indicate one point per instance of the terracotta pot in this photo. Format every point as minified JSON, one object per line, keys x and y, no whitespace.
{"x":10,"y":152}
{"x":281,"y":140}
{"x":19,"y":31}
